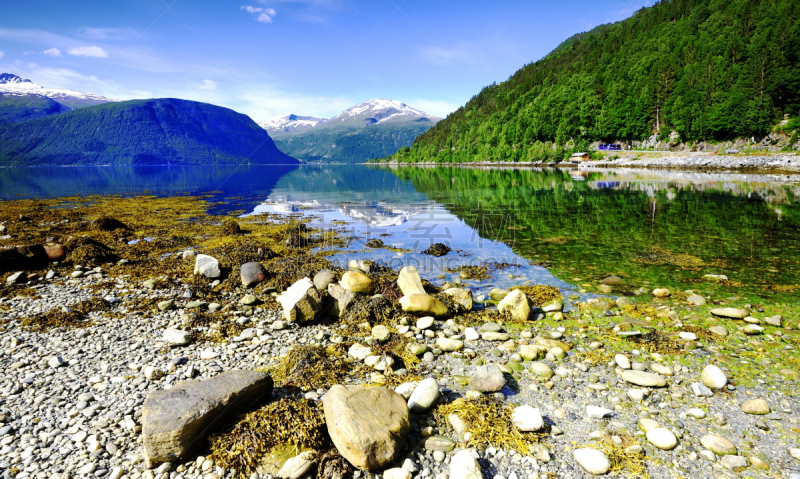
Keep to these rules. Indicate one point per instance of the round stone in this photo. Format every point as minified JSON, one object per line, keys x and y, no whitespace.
{"x":755,"y":406}
{"x":622,"y":361}
{"x":541,"y":371}
{"x":641,"y":378}
{"x":424,"y":396}
{"x":592,"y":460}
{"x":662,"y":438}
{"x":718,"y":444}
{"x":713,"y":377}
{"x":527,"y":419}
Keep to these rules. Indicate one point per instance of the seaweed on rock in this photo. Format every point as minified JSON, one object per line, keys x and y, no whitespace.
{"x":297,"y":423}
{"x":489,"y":421}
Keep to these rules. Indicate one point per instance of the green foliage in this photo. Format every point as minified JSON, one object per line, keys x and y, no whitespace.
{"x":707,"y":69}
{"x":14,"y":109}
{"x":351,"y":144}
{"x":139,"y":132}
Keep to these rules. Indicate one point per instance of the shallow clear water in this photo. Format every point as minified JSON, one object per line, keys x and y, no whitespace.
{"x":565,"y":228}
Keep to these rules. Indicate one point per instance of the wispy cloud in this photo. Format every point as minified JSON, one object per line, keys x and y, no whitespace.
{"x":312,"y":11}
{"x":209,"y":85}
{"x":449,"y":56}
{"x":263,"y":15}
{"x":109,"y":33}
{"x":52,"y":52}
{"x":93,"y":51}
{"x":2,"y":54}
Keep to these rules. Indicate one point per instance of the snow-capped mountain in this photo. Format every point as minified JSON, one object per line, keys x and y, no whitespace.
{"x":281,"y":125}
{"x":374,"y":128}
{"x":379,"y":111}
{"x":13,"y":86}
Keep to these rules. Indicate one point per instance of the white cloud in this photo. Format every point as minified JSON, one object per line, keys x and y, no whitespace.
{"x":93,"y":51}
{"x":449,"y":56}
{"x":54,"y":52}
{"x":209,"y":85}
{"x":125,"y":34}
{"x":263,"y":15}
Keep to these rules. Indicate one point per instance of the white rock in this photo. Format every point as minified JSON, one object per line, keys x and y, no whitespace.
{"x":516,"y":303}
{"x":406,"y":389}
{"x":298,"y":466}
{"x":595,"y":412}
{"x":686,"y":335}
{"x":207,"y":354}
{"x":359,"y":351}
{"x":424,"y":397}
{"x":152,"y":373}
{"x":527,"y":419}
{"x":471,"y":334}
{"x":713,"y":377}
{"x":425,"y":322}
{"x":207,"y":266}
{"x":622,"y":361}
{"x":662,"y":438}
{"x":301,"y":302}
{"x":396,"y":473}
{"x":177,"y":336}
{"x":592,"y":460}
{"x":55,"y":362}
{"x":696,"y":412}
{"x":464,"y":466}
{"x":409,"y":281}
{"x":795,"y":453}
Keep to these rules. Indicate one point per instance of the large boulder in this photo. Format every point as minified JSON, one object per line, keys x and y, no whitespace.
{"x":516,"y":304}
{"x":252,"y":273}
{"x":27,"y":258}
{"x":206,"y":265}
{"x":176,"y":421}
{"x":423,"y":305}
{"x":368,"y":426}
{"x":409,"y":281}
{"x":301,"y":302}
{"x":357,"y":282}
{"x":462,"y":298}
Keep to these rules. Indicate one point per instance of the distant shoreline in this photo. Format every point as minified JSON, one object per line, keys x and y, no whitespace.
{"x":789,"y":163}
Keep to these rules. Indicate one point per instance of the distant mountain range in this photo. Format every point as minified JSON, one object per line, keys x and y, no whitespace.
{"x":374,"y":128}
{"x":45,"y":126}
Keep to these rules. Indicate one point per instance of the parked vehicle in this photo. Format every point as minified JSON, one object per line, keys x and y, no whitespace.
{"x":609,"y":146}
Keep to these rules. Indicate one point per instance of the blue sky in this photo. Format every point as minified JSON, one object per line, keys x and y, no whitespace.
{"x":273,"y":57}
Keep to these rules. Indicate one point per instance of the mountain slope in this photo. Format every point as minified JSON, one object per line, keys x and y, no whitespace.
{"x":707,"y":70}
{"x":13,"y":86}
{"x":289,"y":124}
{"x":14,"y":108}
{"x":374,"y":128}
{"x":158,"y":131}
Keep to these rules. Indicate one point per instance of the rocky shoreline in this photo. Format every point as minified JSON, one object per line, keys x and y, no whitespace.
{"x":787,"y":163}
{"x":522,"y":385}
{"x":776,"y":163}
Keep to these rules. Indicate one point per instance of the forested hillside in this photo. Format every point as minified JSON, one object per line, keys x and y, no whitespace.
{"x":149,"y":132}
{"x":705,"y":69}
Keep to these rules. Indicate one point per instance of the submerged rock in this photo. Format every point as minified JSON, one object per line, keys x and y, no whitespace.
{"x":175,"y":421}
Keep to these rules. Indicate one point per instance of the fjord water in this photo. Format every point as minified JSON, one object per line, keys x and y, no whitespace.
{"x":549,"y":226}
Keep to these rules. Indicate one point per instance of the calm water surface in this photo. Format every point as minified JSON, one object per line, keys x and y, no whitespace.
{"x":566,"y":228}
